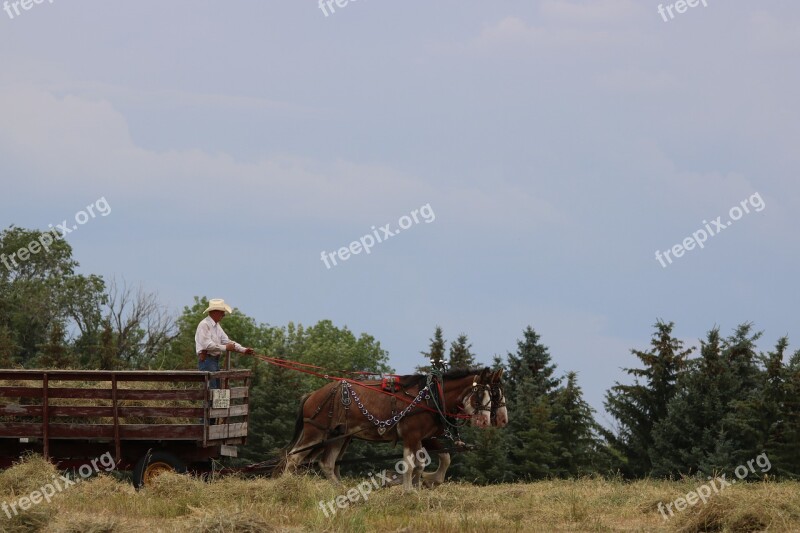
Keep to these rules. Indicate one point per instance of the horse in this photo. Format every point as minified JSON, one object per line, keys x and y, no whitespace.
{"x":463,"y":393}
{"x":499,"y":418}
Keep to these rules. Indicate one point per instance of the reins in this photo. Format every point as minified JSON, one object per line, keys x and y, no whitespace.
{"x":310,"y":369}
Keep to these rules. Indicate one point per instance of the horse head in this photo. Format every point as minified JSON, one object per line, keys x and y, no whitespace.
{"x":476,"y":400}
{"x":499,"y":410}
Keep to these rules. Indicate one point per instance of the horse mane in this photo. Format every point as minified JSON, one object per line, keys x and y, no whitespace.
{"x":412,"y":380}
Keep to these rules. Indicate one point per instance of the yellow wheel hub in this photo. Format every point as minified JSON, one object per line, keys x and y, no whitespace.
{"x":154,"y":470}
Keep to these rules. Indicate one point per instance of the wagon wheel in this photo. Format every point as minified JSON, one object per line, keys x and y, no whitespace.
{"x":153,"y":465}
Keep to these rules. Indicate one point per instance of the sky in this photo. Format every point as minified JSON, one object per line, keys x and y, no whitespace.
{"x":555,"y":147}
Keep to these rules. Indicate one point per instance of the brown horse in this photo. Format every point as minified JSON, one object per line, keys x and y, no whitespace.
{"x":435,"y":444}
{"x":357,"y":409}
{"x":499,"y":417}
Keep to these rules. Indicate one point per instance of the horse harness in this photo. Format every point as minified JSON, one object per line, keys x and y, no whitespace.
{"x":432,"y":393}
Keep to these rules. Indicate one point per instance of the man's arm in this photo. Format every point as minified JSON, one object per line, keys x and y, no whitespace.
{"x":233,"y":346}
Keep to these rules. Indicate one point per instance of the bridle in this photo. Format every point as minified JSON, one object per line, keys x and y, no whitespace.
{"x":498,"y":398}
{"x":472,"y":396}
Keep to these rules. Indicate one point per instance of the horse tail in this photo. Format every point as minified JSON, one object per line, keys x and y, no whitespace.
{"x":298,"y":430}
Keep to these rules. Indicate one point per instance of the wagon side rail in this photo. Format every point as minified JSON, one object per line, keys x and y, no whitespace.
{"x":116,"y":406}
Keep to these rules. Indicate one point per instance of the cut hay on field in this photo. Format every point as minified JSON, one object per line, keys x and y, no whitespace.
{"x":179,"y":503}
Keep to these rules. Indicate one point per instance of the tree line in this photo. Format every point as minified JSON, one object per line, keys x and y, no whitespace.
{"x":681,"y":413}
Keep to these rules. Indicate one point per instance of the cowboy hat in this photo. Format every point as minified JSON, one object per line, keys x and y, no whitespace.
{"x":218,"y":304}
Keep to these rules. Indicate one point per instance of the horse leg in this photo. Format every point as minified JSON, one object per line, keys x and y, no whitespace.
{"x":413,"y":466}
{"x":328,"y":461}
{"x":307,"y":439}
{"x":346,"y":443}
{"x":434,"y":446}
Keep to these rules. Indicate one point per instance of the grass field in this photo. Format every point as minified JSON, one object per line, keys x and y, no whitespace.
{"x":183,"y":504}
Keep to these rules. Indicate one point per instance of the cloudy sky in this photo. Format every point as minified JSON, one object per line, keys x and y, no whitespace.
{"x":559,"y":144}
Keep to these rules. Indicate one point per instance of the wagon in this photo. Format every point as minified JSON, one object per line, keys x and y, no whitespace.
{"x":149,"y":421}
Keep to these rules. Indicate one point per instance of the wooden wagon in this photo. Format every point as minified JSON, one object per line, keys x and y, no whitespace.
{"x":149,"y":421}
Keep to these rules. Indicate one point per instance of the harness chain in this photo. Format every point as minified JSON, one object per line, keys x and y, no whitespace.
{"x":383,"y":425}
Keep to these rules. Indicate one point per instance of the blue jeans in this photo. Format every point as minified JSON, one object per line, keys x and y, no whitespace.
{"x":211,"y":364}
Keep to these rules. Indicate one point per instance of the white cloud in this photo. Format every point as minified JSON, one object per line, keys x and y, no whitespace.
{"x":68,"y":142}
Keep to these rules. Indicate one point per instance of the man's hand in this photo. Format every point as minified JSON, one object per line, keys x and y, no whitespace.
{"x":249,"y":351}
{"x":231,"y":346}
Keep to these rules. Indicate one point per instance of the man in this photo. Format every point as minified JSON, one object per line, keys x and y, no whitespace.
{"x":211,"y":342}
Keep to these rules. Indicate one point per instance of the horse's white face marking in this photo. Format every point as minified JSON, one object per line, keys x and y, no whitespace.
{"x":481,"y":417}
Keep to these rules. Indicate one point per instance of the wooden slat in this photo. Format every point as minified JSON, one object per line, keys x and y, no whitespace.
{"x":92,"y":394}
{"x":191,"y":376}
{"x":21,"y":410}
{"x":141,"y":394}
{"x":227,"y":430}
{"x":240,"y":392}
{"x":81,"y":431}
{"x":90,"y":411}
{"x":20,"y":392}
{"x":104,"y":394}
{"x":161,"y":432}
{"x":106,"y":431}
{"x":162,"y":412}
{"x":81,"y":411}
{"x":233,"y":410}
{"x":19,"y":430}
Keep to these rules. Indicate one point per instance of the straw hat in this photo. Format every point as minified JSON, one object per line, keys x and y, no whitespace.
{"x":218,"y":304}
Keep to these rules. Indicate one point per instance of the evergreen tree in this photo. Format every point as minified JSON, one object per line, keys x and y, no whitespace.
{"x":679,"y":435}
{"x":705,"y":429}
{"x":461,"y":356}
{"x":532,"y":440}
{"x":529,"y":393}
{"x":578,"y":450}
{"x":435,"y":354}
{"x":488,"y":463}
{"x":637,"y":408}
{"x":531,"y":364}
{"x":783,"y":446}
{"x":757,"y":418}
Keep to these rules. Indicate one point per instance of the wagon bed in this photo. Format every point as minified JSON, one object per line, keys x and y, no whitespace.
{"x":71,"y":415}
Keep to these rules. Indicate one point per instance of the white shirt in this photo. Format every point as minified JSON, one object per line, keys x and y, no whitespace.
{"x":211,"y":338}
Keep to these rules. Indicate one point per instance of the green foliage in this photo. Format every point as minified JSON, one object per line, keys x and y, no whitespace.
{"x":40,"y":291}
{"x":461,"y":356}
{"x":56,"y":353}
{"x":578,"y":451}
{"x":531,"y":368}
{"x":529,"y":393}
{"x":435,"y":354}
{"x":706,"y":428}
{"x":637,"y":408}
